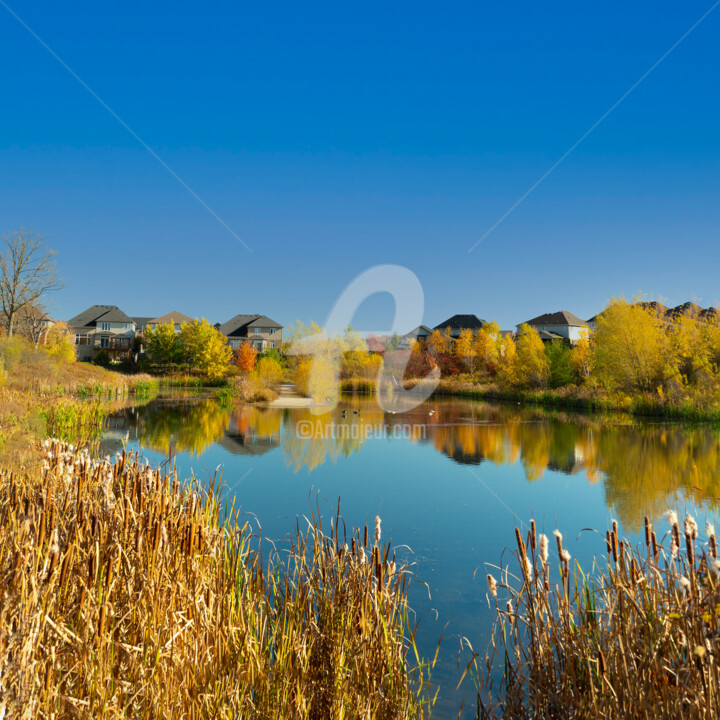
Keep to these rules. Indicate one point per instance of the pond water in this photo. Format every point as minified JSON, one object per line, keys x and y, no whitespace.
{"x":449,"y":479}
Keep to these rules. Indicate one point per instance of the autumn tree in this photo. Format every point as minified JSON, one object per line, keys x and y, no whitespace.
{"x":245,"y":357}
{"x":531,"y":362}
{"x":268,"y":372}
{"x":465,"y":350}
{"x":631,"y":347}
{"x":60,"y":343}
{"x":487,"y":343}
{"x":27,"y":274}
{"x":507,"y":366}
{"x":440,"y":342}
{"x":205,"y":348}
{"x":583,"y":358}
{"x":163,"y":344}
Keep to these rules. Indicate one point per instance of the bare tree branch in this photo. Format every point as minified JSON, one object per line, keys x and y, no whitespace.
{"x":27,"y":274}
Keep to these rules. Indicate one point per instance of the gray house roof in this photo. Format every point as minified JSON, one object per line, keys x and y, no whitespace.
{"x":238,"y":326}
{"x":175,"y":317}
{"x":463,"y":322}
{"x":99,"y":313}
{"x":141,"y":323}
{"x":419,"y":330}
{"x":562,"y":317}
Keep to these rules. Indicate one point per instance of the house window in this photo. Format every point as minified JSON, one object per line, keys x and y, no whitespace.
{"x":104,"y":342}
{"x":105,"y":326}
{"x":258,"y":345}
{"x":257,"y":331}
{"x":272,"y":343}
{"x":235,"y":344}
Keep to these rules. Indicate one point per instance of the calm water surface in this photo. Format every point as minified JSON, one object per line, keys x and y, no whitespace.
{"x":449,"y":480}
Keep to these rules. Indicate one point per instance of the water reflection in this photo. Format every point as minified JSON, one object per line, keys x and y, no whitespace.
{"x":642,"y":466}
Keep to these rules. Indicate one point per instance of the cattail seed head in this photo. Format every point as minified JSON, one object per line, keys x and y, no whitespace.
{"x":377,"y":529}
{"x":492,"y":585}
{"x":544,"y":548}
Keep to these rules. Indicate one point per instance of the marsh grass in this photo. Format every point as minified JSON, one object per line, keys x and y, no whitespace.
{"x":125,"y":593}
{"x":636,"y":637}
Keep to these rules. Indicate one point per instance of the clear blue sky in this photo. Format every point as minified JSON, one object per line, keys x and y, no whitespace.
{"x":334,"y":136}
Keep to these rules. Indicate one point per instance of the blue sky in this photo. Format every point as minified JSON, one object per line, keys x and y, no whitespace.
{"x":335,"y":136}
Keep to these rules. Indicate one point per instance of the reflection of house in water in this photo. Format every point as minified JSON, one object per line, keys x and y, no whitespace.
{"x":248,"y":443}
{"x":241,"y":438}
{"x":570,"y":462}
{"x":116,"y":434}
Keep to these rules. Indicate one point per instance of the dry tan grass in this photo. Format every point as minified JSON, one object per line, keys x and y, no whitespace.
{"x":124,"y":595}
{"x":638,"y":637}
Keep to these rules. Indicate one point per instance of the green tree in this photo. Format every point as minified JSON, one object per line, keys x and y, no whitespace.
{"x":163,"y":344}
{"x":562,"y":367}
{"x":205,"y":348}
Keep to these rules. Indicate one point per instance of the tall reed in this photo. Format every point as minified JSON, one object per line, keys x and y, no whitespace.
{"x":636,"y":637}
{"x":125,"y":593}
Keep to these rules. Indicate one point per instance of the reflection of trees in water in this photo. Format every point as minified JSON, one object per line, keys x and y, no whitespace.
{"x":644,"y":466}
{"x":309,"y":440}
{"x":185,"y":427}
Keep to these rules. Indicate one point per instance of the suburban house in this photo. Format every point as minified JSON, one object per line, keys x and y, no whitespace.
{"x":174,"y":317}
{"x":102,"y":327}
{"x":260,"y":330}
{"x":420,"y":334}
{"x":562,"y":325}
{"x":458,"y":323}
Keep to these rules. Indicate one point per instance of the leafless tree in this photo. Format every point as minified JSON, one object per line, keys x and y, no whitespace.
{"x":27,"y":274}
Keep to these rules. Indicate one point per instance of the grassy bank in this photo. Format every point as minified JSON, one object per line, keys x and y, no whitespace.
{"x":638,"y":636}
{"x":127,"y":595}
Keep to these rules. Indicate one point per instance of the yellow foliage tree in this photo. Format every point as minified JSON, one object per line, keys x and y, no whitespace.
{"x":465,"y":350}
{"x":632,"y":350}
{"x":487,"y":344}
{"x":60,"y":343}
{"x":507,"y":370}
{"x":206,"y":348}
{"x":268,"y":372}
{"x":440,"y":341}
{"x":531,"y":362}
{"x":583,"y":358}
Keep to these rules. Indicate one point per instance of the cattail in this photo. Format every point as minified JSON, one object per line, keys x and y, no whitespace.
{"x":558,"y":537}
{"x":509,"y":607}
{"x":709,"y":529}
{"x":690,"y":527}
{"x":685,"y":583}
{"x":377,"y":529}
{"x":492,"y":585}
{"x":671,"y":517}
{"x":603,"y":666}
{"x":647,"y":531}
{"x":690,"y":547}
{"x":533,"y":541}
{"x":712,"y":545}
{"x":544,"y":548}
{"x":365,"y":538}
{"x":653,"y":539}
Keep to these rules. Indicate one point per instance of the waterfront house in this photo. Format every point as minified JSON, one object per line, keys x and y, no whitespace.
{"x":458,"y":323}
{"x":102,"y":327}
{"x":561,"y":325}
{"x":260,"y":330}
